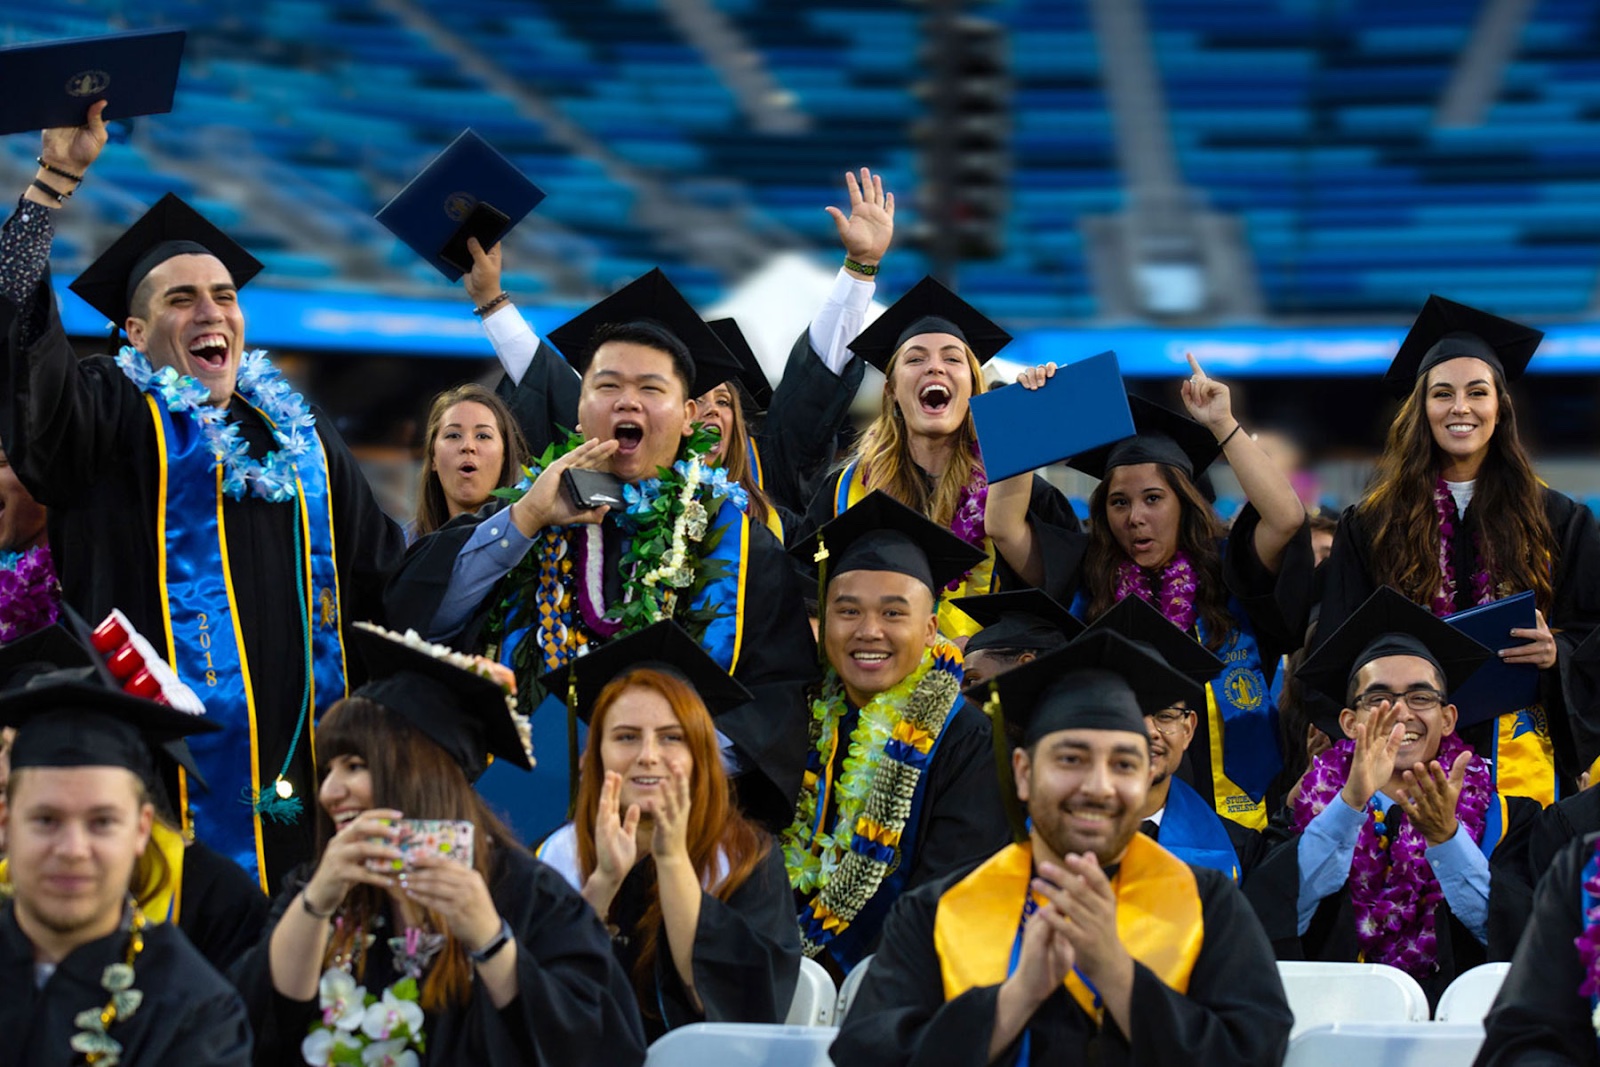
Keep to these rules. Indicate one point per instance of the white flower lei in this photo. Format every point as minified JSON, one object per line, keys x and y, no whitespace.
{"x":263,"y":385}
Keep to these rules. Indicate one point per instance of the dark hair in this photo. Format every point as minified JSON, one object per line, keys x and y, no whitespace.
{"x":432,"y":509}
{"x":1352,"y":691}
{"x":651,"y":335}
{"x":410,"y":773}
{"x":1518,"y":546}
{"x":1198,"y":535}
{"x":1322,"y":522}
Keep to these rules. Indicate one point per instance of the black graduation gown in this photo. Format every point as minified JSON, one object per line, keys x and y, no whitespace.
{"x":746,"y":951}
{"x":1274,"y":891}
{"x":1234,"y":1014}
{"x":1530,"y":856}
{"x":573,"y":1006}
{"x":777,"y":658}
{"x":223,"y":910}
{"x":190,"y":1015}
{"x":545,"y":401}
{"x":80,"y":438}
{"x":1570,"y":692}
{"x":1539,"y":1019}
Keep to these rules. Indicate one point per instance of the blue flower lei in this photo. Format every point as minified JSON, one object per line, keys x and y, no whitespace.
{"x":260,"y":383}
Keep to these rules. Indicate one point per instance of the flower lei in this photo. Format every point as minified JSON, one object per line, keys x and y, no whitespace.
{"x":30,"y":593}
{"x":263,"y":386}
{"x":1178,"y":587}
{"x":1444,"y":601}
{"x":1393,"y":892}
{"x":1588,"y":942}
{"x":967,"y":520}
{"x":887,"y":755}
{"x":92,"y":1041}
{"x":358,"y":1027}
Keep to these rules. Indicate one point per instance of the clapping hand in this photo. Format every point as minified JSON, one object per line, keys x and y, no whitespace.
{"x":1377,"y":734}
{"x":1430,"y":795}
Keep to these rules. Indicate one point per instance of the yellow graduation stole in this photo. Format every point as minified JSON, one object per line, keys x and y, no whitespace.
{"x":1159,"y":919}
{"x":774,"y":523}
{"x":164,"y":900}
{"x":953,"y":622}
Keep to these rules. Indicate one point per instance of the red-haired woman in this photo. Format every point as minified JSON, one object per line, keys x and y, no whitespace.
{"x":487,"y":958}
{"x":1455,"y":516}
{"x":696,"y":895}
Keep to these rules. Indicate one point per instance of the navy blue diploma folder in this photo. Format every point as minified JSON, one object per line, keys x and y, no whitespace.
{"x":45,"y":84}
{"x":1497,"y":687}
{"x":1083,"y":407}
{"x":441,"y":199}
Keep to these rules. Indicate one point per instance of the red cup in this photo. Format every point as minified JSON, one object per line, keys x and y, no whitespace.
{"x":109,"y":635}
{"x":125,"y":662}
{"x":143,"y":684}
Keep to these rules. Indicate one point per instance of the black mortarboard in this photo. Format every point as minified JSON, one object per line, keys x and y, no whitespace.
{"x":928,"y":307}
{"x":881,"y":534}
{"x":665,"y":646}
{"x":1447,"y":330}
{"x":1387,"y":624}
{"x":751,"y":378}
{"x":1028,"y":619}
{"x":1143,"y":624}
{"x":653,"y":299}
{"x":1101,"y":681}
{"x":69,"y":719}
{"x":170,"y":228}
{"x":1163,"y":436}
{"x":460,"y":710}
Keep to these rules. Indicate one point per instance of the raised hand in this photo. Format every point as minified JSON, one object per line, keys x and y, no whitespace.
{"x":670,"y":838}
{"x":482,"y":282}
{"x":867,"y":231}
{"x":1377,"y":734}
{"x":1430,"y":795}
{"x":1208,"y":401}
{"x":365,"y":843}
{"x":616,"y":845}
{"x":1035,"y":377}
{"x":1540,"y":649}
{"x":547,"y":503}
{"x":74,"y":148}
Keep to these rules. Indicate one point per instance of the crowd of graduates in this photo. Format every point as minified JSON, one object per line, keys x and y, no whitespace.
{"x":1067,"y":789}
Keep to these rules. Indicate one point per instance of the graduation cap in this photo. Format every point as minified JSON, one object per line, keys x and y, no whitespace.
{"x":462,"y":711}
{"x":1446,"y":330}
{"x":651,"y":298}
{"x":1029,"y":619}
{"x":928,"y":307}
{"x":1142,"y":623}
{"x":881,"y":534}
{"x":1101,"y":681}
{"x":1387,"y":624}
{"x":751,"y":378}
{"x":170,"y":228}
{"x":1162,"y":436}
{"x":664,"y":646}
{"x":467,"y":190}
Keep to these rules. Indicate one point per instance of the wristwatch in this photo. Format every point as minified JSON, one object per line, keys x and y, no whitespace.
{"x":500,"y":941}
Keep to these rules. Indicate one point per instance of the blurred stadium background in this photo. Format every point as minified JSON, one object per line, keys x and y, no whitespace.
{"x":1275,"y":185}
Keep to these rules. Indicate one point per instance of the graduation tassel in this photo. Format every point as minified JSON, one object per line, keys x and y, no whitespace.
{"x":278,"y":804}
{"x":821,"y":560}
{"x":572,"y":743}
{"x":1002,"y":766}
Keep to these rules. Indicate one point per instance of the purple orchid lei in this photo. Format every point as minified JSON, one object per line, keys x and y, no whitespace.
{"x":967,"y":521}
{"x":1444,"y":601}
{"x":1393,"y":892}
{"x":30,"y":593}
{"x":1588,"y":942}
{"x":1178,"y":587}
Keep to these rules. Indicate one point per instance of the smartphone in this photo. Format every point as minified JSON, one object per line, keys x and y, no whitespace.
{"x":485,"y":222}
{"x":449,"y":839}
{"x":592,"y":489}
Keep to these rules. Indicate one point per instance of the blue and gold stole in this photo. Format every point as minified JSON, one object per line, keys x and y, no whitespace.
{"x":953,"y":622}
{"x":1240,"y":712}
{"x":1159,"y":920}
{"x":774,"y":522}
{"x":1193,"y":831}
{"x":205,"y":637}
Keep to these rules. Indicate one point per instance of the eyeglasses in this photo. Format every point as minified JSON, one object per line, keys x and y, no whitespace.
{"x":1416,"y":699}
{"x":1168,"y":720}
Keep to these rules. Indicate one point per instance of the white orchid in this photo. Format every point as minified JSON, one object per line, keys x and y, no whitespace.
{"x":389,"y":1054}
{"x":343,"y":1002}
{"x":389,"y":1015}
{"x":318,"y":1047}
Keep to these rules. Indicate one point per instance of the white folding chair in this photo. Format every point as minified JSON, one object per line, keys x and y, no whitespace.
{"x":848,"y":990}
{"x":1393,"y":1044}
{"x":814,"y":996}
{"x":1350,"y":992}
{"x":1469,"y":998}
{"x":743,"y":1045}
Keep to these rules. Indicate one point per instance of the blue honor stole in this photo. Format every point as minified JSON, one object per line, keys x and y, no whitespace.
{"x":205,"y":638}
{"x":1242,"y":723}
{"x":1193,"y":831}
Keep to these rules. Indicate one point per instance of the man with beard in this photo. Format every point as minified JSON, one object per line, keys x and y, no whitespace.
{"x":1088,"y":942}
{"x":534,"y":582}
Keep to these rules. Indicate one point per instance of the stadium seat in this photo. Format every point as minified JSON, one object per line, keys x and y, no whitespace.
{"x":742,"y":1045}
{"x":1469,"y":998}
{"x":1391,"y":1044}
{"x":1350,"y":992}
{"x":848,"y":990}
{"x":814,"y":996}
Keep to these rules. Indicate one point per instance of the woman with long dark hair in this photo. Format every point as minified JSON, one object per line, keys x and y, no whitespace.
{"x":483,"y":958}
{"x":1242,"y":593}
{"x":473,"y":447}
{"x":1455,"y":516}
{"x":696,"y":894}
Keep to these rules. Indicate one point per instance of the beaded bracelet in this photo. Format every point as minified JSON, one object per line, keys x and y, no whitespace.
{"x":483,"y":309}
{"x":58,"y":171}
{"x":860,"y":268}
